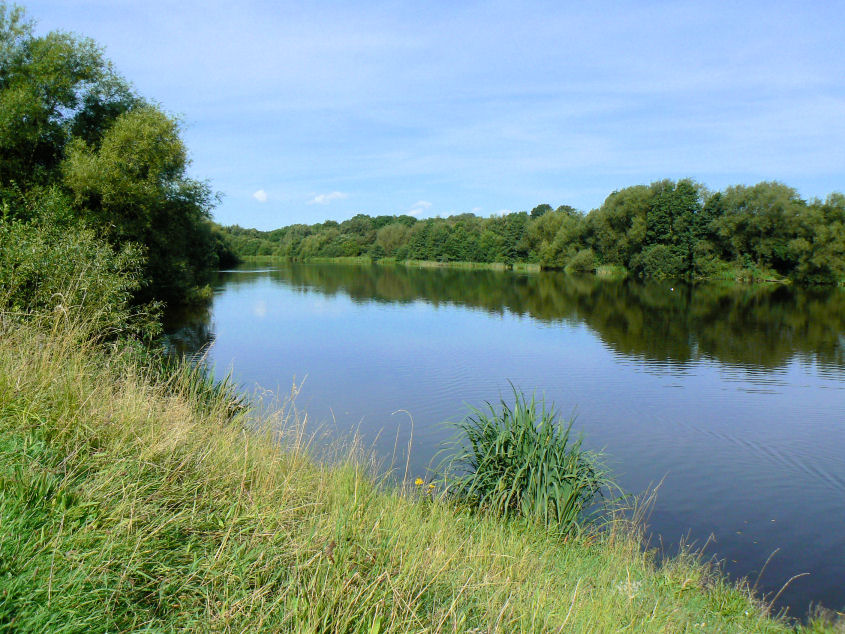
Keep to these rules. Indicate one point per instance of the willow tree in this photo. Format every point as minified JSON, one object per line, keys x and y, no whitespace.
{"x":73,"y":130}
{"x":52,"y":88}
{"x":133,"y":187}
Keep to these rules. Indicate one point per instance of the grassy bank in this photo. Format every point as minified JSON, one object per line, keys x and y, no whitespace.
{"x":133,"y":502}
{"x":425,"y":264}
{"x":726,"y":273}
{"x":428,"y":264}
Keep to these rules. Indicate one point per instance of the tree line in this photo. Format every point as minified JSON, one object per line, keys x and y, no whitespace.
{"x":94,"y":193}
{"x":668,"y":229}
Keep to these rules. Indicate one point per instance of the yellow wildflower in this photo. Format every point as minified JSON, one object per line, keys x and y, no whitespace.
{"x":419,"y":482}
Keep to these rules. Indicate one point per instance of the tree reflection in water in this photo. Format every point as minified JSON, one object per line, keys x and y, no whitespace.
{"x":761,"y":326}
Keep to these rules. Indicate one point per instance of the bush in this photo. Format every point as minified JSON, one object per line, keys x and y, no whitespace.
{"x":705,"y":261}
{"x":657,"y":261}
{"x":522,"y":461}
{"x":49,"y":268}
{"x":377,"y":252}
{"x":582,"y":262}
{"x":402,"y":253}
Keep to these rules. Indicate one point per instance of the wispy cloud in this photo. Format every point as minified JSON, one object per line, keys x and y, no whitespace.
{"x":325,"y":199}
{"x":502,"y":212}
{"x":396,"y":101}
{"x":418,"y":207}
{"x":260,"y":196}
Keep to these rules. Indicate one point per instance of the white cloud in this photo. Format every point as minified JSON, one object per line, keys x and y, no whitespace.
{"x":325,"y":199}
{"x":260,"y":196}
{"x":475,"y":210}
{"x":502,"y":212}
{"x":418,"y":207}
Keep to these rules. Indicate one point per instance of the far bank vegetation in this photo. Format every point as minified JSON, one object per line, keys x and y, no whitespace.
{"x":669,"y":229}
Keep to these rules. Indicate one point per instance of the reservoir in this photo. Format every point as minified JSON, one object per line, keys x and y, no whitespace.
{"x":732,"y":397}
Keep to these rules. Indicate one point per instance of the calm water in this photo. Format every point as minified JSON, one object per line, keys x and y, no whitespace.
{"x":735,"y":398}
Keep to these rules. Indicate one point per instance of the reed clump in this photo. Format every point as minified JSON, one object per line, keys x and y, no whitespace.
{"x":522,"y":459}
{"x":611,"y":271}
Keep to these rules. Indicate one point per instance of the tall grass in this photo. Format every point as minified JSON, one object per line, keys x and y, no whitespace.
{"x":611,"y":271}
{"x":348,"y":259}
{"x":522,"y":459}
{"x":530,"y":267}
{"x":455,"y":264}
{"x":193,"y":380}
{"x":131,"y":501}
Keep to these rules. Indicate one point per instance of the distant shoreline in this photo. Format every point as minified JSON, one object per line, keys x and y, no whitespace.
{"x":738,"y":276}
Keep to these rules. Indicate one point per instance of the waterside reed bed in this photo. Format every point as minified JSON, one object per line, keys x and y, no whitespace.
{"x":129,"y":502}
{"x":521,"y":460}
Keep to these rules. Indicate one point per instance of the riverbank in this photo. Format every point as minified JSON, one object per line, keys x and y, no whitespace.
{"x":728,"y":274}
{"x":130,"y":501}
{"x":423,"y":264}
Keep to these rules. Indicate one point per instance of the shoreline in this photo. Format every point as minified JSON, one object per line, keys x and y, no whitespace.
{"x":740,"y":277}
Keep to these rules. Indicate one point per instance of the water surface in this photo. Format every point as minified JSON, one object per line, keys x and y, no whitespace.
{"x":733,"y":397}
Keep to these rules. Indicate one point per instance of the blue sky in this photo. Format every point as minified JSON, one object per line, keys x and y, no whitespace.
{"x":299,"y":112}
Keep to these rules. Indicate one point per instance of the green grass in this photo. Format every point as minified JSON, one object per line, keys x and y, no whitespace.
{"x":133,"y":502}
{"x":529,"y":267}
{"x":389,"y":261}
{"x":613,"y":271}
{"x":431,"y":264}
{"x":522,"y":460}
{"x":263,"y":258}
{"x":747,"y":275}
{"x":350,"y":259}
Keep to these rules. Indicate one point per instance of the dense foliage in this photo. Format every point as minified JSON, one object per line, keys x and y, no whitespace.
{"x":669,"y":229}
{"x":84,"y":159}
{"x":51,"y":270}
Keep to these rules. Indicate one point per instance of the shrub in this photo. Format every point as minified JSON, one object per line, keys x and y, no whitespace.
{"x":705,"y":261}
{"x":521,"y":460}
{"x":49,"y":268}
{"x":582,"y":262}
{"x":657,"y":261}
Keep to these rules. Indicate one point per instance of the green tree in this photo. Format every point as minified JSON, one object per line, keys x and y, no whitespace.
{"x":672,"y":220}
{"x":52,"y":88}
{"x":540,"y":210}
{"x":69,"y":121}
{"x":390,"y":237}
{"x":665,"y":229}
{"x":818,"y":250}
{"x":565,"y":243}
{"x":755,"y":225}
{"x":133,"y":188}
{"x":361,"y":229}
{"x":617,"y":230}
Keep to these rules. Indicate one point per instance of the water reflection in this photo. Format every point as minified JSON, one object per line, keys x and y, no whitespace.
{"x":750,"y":327}
{"x":189,"y":331}
{"x":734,"y":395}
